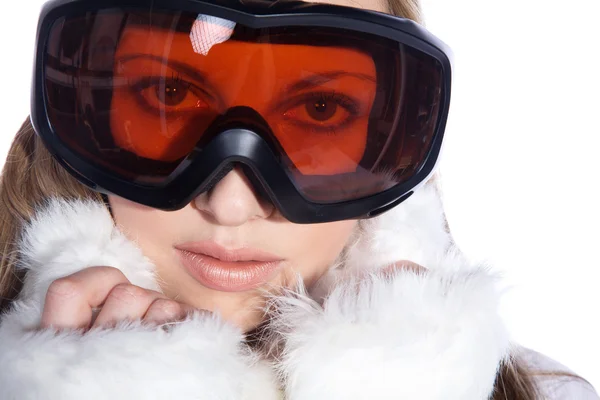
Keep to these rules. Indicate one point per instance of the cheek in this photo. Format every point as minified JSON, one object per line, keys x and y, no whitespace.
{"x":319,"y":246}
{"x":132,"y":217}
{"x":151,"y":229}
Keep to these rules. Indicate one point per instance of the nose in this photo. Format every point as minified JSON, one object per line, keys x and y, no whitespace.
{"x":233,"y":201}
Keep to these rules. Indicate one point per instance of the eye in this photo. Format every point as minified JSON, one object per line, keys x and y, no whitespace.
{"x":324,"y":110}
{"x":171,"y":94}
{"x":321,"y":110}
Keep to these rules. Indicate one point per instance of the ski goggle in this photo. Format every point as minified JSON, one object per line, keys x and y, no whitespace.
{"x":332,"y":112}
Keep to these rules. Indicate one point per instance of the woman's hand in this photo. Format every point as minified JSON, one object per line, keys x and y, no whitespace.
{"x":73,"y":301}
{"x":406,"y":265}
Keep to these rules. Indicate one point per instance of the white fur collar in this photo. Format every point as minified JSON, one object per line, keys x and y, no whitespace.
{"x":428,"y":336}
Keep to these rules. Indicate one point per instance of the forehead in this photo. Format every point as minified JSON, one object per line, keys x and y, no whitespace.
{"x":375,"y":5}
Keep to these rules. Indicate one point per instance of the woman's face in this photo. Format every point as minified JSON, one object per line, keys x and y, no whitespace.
{"x":221,"y":251}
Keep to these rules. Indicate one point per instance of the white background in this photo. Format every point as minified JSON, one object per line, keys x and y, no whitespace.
{"x":520,"y":165}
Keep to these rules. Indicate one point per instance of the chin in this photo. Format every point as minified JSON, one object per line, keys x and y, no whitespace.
{"x":245,"y":310}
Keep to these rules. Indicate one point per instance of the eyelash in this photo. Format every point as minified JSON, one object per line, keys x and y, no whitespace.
{"x":178,"y":79}
{"x":345,"y":101}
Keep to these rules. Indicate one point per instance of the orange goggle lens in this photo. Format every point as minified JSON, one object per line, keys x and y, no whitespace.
{"x":349,"y":114}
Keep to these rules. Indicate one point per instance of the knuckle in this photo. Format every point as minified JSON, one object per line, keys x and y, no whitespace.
{"x":165,"y":307}
{"x":127,"y":293}
{"x":64,"y":288}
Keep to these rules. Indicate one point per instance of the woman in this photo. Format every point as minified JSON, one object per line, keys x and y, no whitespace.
{"x":240,"y":149}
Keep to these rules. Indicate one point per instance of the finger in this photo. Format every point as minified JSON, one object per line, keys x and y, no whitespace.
{"x":164,"y":310}
{"x":404,"y":265}
{"x":125,"y":302}
{"x":70,"y":300}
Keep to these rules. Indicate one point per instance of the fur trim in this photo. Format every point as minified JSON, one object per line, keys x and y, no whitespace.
{"x":201,"y":357}
{"x":67,"y":237}
{"x":426,"y":336}
{"x":432,"y":336}
{"x":198,"y":358}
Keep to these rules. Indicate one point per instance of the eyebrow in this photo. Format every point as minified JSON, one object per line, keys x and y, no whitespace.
{"x":314,"y":80}
{"x":321,"y":78}
{"x":180,"y":66}
{"x":306,"y":83}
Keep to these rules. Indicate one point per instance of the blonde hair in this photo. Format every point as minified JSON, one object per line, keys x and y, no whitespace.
{"x":31,"y":176}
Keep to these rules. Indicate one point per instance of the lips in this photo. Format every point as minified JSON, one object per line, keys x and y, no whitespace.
{"x":227,"y":270}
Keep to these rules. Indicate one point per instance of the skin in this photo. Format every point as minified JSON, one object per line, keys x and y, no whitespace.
{"x":230,"y":214}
